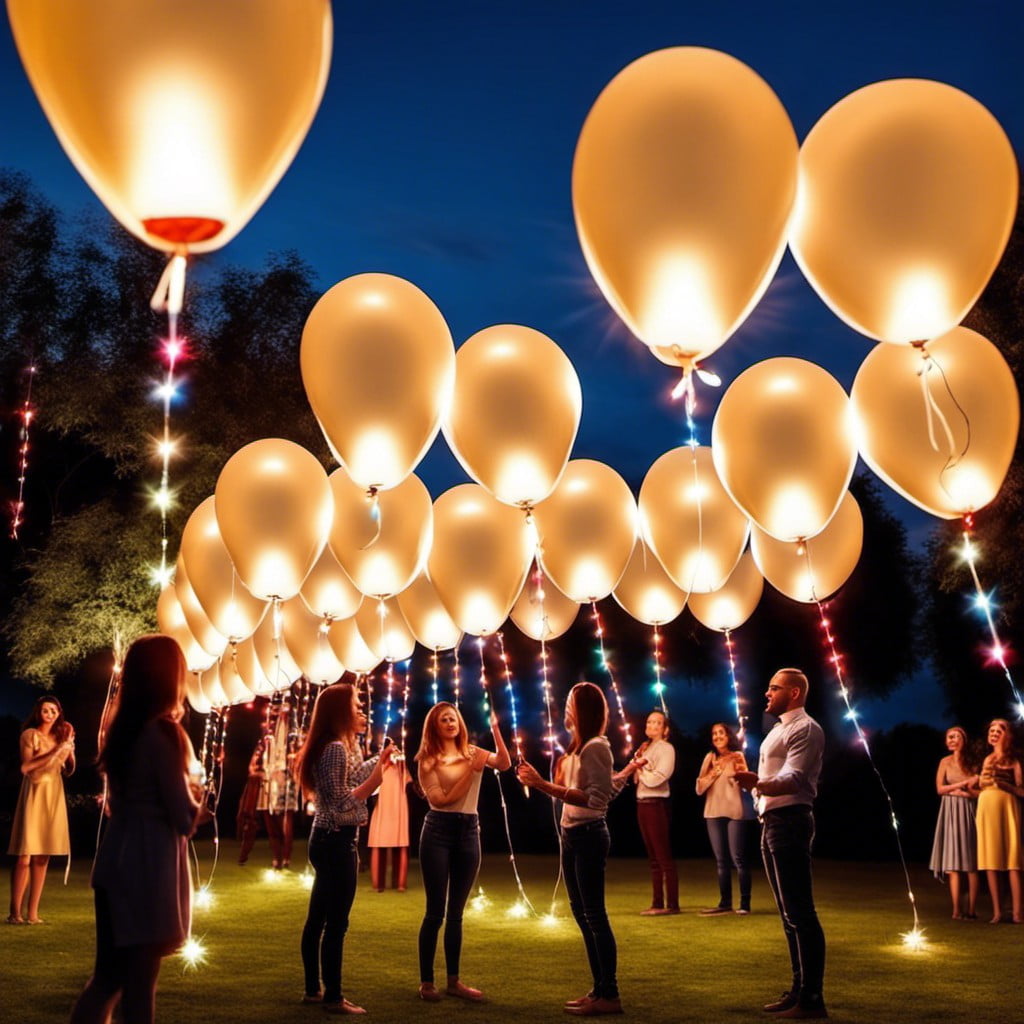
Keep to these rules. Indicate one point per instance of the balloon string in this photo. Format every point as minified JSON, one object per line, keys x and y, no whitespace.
{"x":741,"y":718}
{"x":214,"y":787}
{"x":388,"y":702}
{"x":375,"y":517}
{"x":659,"y":686}
{"x":26,"y":416}
{"x":933,"y":413}
{"x":699,"y":500}
{"x":606,"y":665}
{"x":511,"y":850}
{"x":456,"y":675}
{"x":405,"y":705}
{"x":434,"y":676}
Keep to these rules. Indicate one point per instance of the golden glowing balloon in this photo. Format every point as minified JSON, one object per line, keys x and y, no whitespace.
{"x":427,"y":616}
{"x":382,"y":625}
{"x":308,"y":644}
{"x":196,"y":698}
{"x":515,"y":412}
{"x":274,"y":509}
{"x":814,"y":569}
{"x":209,"y":686}
{"x":646,"y":591}
{"x":378,"y":366}
{"x":783,"y":446}
{"x":250,"y":669}
{"x":381,"y":540}
{"x":481,"y":554}
{"x":274,"y":657}
{"x":734,"y":602}
{"x":208,"y":568}
{"x":231,"y":682}
{"x":938,"y":423}
{"x":327,"y":591}
{"x":682,"y":187}
{"x":351,"y":648}
{"x":170,"y":618}
{"x":542,"y":611}
{"x":908,"y":190}
{"x":182,"y":115}
{"x":587,"y":530}
{"x":690,"y":522}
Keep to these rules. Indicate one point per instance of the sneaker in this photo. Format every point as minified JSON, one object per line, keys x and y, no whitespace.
{"x":714,"y":911}
{"x":785,"y":1002}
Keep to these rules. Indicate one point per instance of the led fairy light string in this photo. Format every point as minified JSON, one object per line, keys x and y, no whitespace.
{"x":741,"y":718}
{"x":113,"y":685}
{"x":484,"y":684}
{"x":434,"y":676}
{"x":983,"y":602}
{"x":456,"y":676}
{"x":686,"y":391}
{"x":168,"y":297}
{"x":26,"y":414}
{"x":388,"y":702}
{"x":659,"y":686}
{"x":607,"y":666}
{"x":406,"y":686}
{"x":517,"y":740}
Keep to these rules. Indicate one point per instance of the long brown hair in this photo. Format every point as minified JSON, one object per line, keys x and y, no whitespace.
{"x":1011,"y":739}
{"x":590,"y":711}
{"x":152,"y":688}
{"x":60,"y":730}
{"x":969,"y":760}
{"x":431,"y":743}
{"x":334,"y":718}
{"x":731,"y":740}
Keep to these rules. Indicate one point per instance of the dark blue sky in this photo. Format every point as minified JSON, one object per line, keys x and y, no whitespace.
{"x":443,"y":148}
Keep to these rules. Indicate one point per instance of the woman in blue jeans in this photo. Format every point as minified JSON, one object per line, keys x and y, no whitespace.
{"x":449,"y":770}
{"x":585,"y":785}
{"x":331,"y":765}
{"x":727,"y":816}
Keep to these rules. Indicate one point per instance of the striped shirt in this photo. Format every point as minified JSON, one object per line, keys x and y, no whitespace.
{"x":337,"y":772}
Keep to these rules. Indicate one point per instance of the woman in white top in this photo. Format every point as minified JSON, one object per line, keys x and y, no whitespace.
{"x":727,"y":816}
{"x":585,"y":785}
{"x":449,"y":770}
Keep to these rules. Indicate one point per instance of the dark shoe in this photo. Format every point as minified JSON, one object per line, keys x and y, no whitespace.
{"x":461,"y":991}
{"x":654,"y":912}
{"x":785,"y":1002}
{"x":429,"y":994}
{"x":714,"y":911}
{"x":804,"y":1011}
{"x":596,"y":1008}
{"x":588,"y":998}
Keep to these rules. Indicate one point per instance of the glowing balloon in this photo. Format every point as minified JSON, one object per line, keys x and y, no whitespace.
{"x":938,"y":423}
{"x":734,"y":602}
{"x":350,"y":648}
{"x":231,"y":681}
{"x":515,"y":412}
{"x":587,"y":530}
{"x":646,"y":591}
{"x":481,"y":554}
{"x":232,"y":610}
{"x":542,"y":611}
{"x":327,"y":591}
{"x":274,"y":657}
{"x":427,"y":616}
{"x":306,"y":638}
{"x":249,"y":668}
{"x":196,"y":698}
{"x":908,"y":190}
{"x":170,"y":618}
{"x":817,"y":568}
{"x":182,"y":115}
{"x":274,"y":510}
{"x":210,"y":688}
{"x":378,"y":366}
{"x":690,"y":522}
{"x":783,"y":446}
{"x":382,"y":625}
{"x":682,"y":186}
{"x":382,"y":540}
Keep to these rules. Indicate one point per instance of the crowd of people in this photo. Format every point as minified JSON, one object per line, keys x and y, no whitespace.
{"x":155,"y":800}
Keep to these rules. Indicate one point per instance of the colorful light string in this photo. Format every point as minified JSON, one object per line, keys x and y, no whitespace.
{"x":607,"y":666}
{"x":26,"y":414}
{"x":434,"y":675}
{"x":741,"y":718}
{"x":517,"y":740}
{"x":659,"y":686}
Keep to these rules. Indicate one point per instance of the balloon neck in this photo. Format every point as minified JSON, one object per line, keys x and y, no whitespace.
{"x":183,"y":231}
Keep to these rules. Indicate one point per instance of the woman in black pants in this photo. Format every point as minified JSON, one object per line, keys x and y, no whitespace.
{"x":585,"y":785}
{"x":331,"y":765}
{"x":449,"y":770}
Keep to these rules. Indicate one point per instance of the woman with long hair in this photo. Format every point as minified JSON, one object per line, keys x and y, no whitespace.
{"x":998,"y":821}
{"x":449,"y":770}
{"x":40,"y":829}
{"x":955,"y":849}
{"x":585,"y":785}
{"x":331,"y":767}
{"x":143,"y":889}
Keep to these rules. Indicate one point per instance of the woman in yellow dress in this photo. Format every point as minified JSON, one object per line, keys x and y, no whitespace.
{"x":41,"y":818}
{"x":998,"y":821}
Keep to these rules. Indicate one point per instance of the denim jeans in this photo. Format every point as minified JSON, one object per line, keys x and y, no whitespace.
{"x":730,"y":842}
{"x":786,"y":848}
{"x":336,"y":861}
{"x":449,"y":860}
{"x":654,"y":816}
{"x":584,"y":857}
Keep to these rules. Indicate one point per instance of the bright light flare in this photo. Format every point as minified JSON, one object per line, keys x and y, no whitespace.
{"x":550,"y":921}
{"x":518,"y":910}
{"x":272,"y":877}
{"x":480,"y":902}
{"x":307,"y":878}
{"x":203,"y":899}
{"x":193,"y":953}
{"x":914,"y":940}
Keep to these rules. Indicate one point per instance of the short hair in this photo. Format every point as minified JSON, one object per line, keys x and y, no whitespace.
{"x":796,"y":678}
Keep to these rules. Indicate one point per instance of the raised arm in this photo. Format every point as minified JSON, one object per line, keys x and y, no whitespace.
{"x":433,"y":789}
{"x":500,"y":759}
{"x":373,"y":779}
{"x":31,"y":761}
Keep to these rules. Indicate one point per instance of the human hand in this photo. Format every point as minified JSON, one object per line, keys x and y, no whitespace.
{"x":746,"y":780}
{"x":492,"y":719}
{"x":387,"y":754}
{"x":527,"y":774}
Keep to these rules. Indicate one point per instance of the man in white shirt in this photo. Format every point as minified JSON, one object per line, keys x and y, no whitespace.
{"x":786,"y":783}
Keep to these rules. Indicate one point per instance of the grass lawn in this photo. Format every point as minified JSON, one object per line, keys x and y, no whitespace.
{"x":683,"y":968}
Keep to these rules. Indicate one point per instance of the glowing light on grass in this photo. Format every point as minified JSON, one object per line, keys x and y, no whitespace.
{"x":272,"y":877}
{"x":203,"y":899}
{"x":550,"y":920}
{"x":914,"y":940}
{"x":306,"y":879}
{"x":518,"y":910}
{"x":193,"y":954}
{"x":480,"y":902}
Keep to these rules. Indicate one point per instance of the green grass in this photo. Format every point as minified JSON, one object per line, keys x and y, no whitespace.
{"x":683,"y":968}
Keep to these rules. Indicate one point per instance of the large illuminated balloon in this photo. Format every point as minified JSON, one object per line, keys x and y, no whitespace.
{"x":378,"y":366}
{"x":734,"y":602}
{"x":249,"y":668}
{"x":210,"y":688}
{"x":907,"y":194}
{"x":308,"y":645}
{"x":783,"y":446}
{"x":587,"y":530}
{"x":427,"y":616}
{"x":208,"y":568}
{"x":481,"y":554}
{"x":542,"y":611}
{"x":381,"y":540}
{"x":170,"y":619}
{"x":196,"y":698}
{"x":382,"y":625}
{"x":351,"y":648}
{"x":646,"y":591}
{"x":274,"y":510}
{"x":231,"y":682}
{"x":515,"y":412}
{"x":938,"y":423}
{"x":689,"y":521}
{"x":682,"y":186}
{"x":328,"y":591}
{"x":274,"y":657}
{"x":814,"y":569}
{"x":182,"y":115}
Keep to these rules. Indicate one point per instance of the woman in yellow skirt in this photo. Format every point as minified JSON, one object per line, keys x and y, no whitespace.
{"x":999,"y":839}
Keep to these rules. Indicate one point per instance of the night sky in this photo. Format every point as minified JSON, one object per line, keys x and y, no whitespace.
{"x":442,"y":153}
